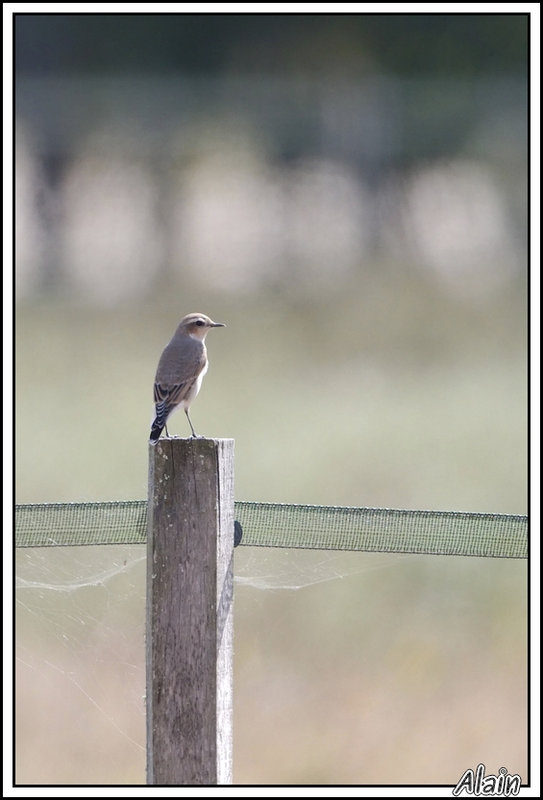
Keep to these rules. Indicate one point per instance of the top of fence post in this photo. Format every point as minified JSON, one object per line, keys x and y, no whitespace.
{"x":189,"y":611}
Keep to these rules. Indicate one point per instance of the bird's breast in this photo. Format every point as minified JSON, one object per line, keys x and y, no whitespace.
{"x":195,"y":388}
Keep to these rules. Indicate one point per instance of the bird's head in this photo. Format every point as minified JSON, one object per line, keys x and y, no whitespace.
{"x":198,"y":325}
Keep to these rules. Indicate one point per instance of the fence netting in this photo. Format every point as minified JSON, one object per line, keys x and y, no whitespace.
{"x":290,"y":526}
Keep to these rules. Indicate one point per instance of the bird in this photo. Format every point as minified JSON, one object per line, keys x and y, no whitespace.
{"x":180,"y":371}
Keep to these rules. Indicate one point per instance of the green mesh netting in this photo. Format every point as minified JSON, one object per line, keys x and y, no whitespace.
{"x":296,"y":526}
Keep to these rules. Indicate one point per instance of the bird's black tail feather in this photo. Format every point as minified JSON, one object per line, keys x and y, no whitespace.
{"x":162,"y":413}
{"x":156,"y":429}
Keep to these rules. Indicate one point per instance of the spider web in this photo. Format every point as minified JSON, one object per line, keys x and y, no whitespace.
{"x":80,"y":678}
{"x":80,"y":655}
{"x":340,"y":653}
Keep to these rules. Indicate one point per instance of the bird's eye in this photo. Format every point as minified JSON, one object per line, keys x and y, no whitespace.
{"x":200,"y":322}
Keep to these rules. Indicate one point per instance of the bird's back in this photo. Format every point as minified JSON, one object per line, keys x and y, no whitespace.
{"x":182,"y":360}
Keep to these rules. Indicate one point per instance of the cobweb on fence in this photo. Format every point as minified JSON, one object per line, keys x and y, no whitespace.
{"x":80,"y":650}
{"x":288,"y":570}
{"x":80,"y":665}
{"x":336,"y":651}
{"x":348,"y":664}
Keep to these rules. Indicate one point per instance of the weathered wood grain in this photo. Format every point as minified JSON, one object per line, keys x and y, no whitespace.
{"x":189,"y":612}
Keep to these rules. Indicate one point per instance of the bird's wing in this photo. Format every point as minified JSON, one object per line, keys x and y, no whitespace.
{"x":179,"y":366}
{"x":170,"y":395}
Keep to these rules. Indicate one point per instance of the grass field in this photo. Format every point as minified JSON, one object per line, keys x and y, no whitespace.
{"x":377,"y":669}
{"x":381,"y":396}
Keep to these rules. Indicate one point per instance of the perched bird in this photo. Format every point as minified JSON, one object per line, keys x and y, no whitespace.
{"x":181,"y":368}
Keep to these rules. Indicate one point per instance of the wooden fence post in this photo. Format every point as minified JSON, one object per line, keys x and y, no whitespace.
{"x":189,"y":612}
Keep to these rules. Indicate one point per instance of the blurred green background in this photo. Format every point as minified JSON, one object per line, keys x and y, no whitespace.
{"x":348,"y":194}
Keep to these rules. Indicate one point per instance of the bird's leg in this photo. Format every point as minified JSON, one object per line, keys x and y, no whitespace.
{"x":166,"y":429}
{"x":194,"y":434}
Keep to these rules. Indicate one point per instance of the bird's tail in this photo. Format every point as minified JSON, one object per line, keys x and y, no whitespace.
{"x":162,"y":411}
{"x":156,"y":429}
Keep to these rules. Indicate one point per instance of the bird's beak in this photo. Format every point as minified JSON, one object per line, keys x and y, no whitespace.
{"x":218,"y":325}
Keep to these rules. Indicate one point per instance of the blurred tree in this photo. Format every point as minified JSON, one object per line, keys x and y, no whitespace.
{"x":409,"y":44}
